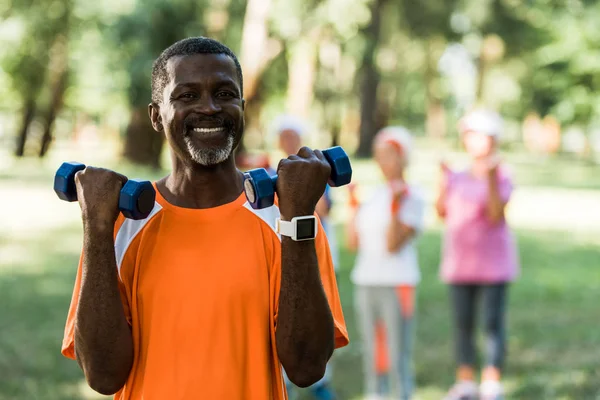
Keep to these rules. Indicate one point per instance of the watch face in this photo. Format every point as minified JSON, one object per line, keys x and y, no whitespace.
{"x":305,"y":229}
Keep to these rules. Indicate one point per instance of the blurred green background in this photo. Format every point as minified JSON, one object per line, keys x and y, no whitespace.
{"x":75,"y":84}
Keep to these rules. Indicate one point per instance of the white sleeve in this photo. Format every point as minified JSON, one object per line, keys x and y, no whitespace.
{"x":412,"y":212}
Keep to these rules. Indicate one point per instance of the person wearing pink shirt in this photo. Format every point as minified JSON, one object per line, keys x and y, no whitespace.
{"x":479,"y":257}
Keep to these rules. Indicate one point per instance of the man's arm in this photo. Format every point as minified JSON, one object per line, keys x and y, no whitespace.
{"x":305,"y":334}
{"x":103,"y":341}
{"x":305,"y":329}
{"x":102,"y":337}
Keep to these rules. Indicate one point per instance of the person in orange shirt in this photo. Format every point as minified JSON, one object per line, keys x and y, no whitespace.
{"x":203,"y":299}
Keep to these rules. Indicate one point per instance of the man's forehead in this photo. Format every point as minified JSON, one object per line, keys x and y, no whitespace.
{"x":201,"y":66}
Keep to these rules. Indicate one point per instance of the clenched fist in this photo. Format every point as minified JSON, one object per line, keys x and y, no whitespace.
{"x":301,"y":182}
{"x":98,"y":192}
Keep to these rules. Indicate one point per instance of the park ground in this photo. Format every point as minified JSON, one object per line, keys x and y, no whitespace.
{"x":553,"y":312}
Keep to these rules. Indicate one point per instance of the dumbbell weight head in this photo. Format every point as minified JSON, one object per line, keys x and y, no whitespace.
{"x":137,"y":199}
{"x":341,"y":170}
{"x":259,"y":188}
{"x":64,"y":180}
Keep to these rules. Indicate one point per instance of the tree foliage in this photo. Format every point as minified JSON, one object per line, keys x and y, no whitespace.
{"x":322,"y":59}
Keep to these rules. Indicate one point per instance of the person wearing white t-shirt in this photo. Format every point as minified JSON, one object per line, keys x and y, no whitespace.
{"x":386,"y":272}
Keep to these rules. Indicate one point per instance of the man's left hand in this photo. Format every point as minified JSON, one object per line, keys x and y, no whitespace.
{"x":301,"y":182}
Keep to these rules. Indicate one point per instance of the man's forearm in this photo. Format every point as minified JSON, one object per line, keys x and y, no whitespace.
{"x":103,"y":342}
{"x":305,"y":335}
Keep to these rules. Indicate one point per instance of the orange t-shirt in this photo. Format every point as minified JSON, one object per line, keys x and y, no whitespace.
{"x":200,"y":289}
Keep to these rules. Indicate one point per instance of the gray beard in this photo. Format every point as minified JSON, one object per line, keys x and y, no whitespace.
{"x":211,"y":156}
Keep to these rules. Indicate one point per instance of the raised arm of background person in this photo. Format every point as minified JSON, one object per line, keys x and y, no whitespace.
{"x":440,"y":203}
{"x":407,"y":220}
{"x":398,"y":235}
{"x":351,"y":233}
{"x":496,"y":202}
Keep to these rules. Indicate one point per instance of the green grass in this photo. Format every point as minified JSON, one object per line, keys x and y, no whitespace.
{"x":553,"y":340}
{"x":553,"y":313}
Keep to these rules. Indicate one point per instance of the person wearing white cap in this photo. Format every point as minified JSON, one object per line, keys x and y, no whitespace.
{"x":479,"y":256}
{"x":383,"y":231}
{"x":290,"y":132}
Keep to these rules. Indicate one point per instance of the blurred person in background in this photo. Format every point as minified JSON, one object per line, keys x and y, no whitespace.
{"x":479,"y":256}
{"x":290,"y":131}
{"x":383,"y":231}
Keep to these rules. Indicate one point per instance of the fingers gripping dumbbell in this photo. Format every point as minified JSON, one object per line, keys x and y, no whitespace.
{"x":260,"y":187}
{"x":135,"y":202}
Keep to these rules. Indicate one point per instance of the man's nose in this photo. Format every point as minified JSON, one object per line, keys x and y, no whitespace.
{"x":207,"y":105}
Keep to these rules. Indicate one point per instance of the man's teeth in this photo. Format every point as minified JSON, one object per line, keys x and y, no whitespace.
{"x":208,"y":130}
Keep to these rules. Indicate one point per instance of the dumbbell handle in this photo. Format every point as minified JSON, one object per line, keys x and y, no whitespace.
{"x":274,"y":179}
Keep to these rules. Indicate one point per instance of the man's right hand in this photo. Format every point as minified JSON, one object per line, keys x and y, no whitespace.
{"x":98,"y":192}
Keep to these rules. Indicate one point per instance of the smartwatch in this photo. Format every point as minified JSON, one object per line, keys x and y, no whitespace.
{"x":299,"y":228}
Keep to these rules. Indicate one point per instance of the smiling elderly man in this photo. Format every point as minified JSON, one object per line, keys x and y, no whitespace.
{"x":203,"y":299}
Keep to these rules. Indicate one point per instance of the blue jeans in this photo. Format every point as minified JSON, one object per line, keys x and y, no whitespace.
{"x":319,"y":389}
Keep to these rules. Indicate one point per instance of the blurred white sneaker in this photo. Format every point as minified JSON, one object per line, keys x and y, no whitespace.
{"x":491,"y":390}
{"x":463,"y":390}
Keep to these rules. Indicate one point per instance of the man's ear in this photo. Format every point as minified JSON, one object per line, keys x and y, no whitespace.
{"x":154,"y":113}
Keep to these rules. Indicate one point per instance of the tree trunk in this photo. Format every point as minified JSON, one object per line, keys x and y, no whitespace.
{"x":252,"y":112}
{"x":492,"y":50}
{"x":28,"y":114}
{"x":481,"y":73}
{"x":301,"y":76}
{"x":53,"y":109}
{"x":335,"y":134}
{"x":253,"y":57}
{"x":143,"y":145}
{"x":59,"y":72}
{"x":369,"y":83}
{"x":435,"y":125}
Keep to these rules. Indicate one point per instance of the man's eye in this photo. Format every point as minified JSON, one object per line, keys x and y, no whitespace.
{"x":225,"y":95}
{"x":188,"y":95}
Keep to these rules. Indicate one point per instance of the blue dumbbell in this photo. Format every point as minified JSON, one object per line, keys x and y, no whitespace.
{"x":259,"y":186}
{"x":135,"y":202}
